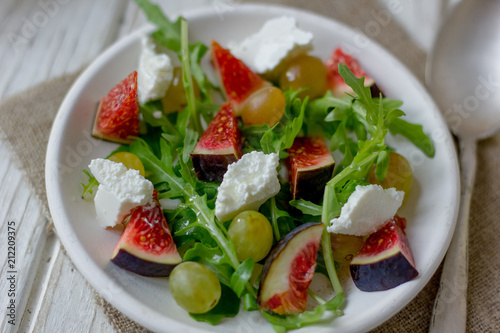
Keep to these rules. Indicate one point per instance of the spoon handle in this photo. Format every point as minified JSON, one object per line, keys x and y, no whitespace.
{"x":450,"y":309}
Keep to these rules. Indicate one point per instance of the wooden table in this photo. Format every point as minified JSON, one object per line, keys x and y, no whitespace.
{"x":39,"y":40}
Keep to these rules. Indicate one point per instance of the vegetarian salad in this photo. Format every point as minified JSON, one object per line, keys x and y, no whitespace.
{"x":230,"y":188}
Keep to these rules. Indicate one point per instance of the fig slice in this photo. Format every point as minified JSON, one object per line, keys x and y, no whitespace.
{"x":310,"y":166}
{"x":117,"y":116}
{"x":146,"y":246}
{"x":289,"y":269}
{"x":237,"y":80}
{"x":336,"y":83}
{"x":385,"y":261}
{"x":219,"y":146}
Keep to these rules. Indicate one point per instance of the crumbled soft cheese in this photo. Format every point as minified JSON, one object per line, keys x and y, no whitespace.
{"x":366,"y":210}
{"x":278,"y":39}
{"x":247,"y":184}
{"x":155,"y":72}
{"x":120,"y":190}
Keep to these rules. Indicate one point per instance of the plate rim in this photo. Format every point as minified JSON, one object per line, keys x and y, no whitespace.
{"x":64,"y":112}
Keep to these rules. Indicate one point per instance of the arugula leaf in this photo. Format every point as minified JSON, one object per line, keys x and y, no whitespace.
{"x":182,"y":223}
{"x":213,"y":258}
{"x":88,"y":189}
{"x":252,"y":135}
{"x":162,"y":171}
{"x":250,"y":303}
{"x":168,"y":33}
{"x":284,"y":323}
{"x":281,"y":221}
{"x":281,"y":136}
{"x":228,"y":306}
{"x":382,"y":165}
{"x":196,"y":53}
{"x":190,"y":141}
{"x":187,"y":79}
{"x":307,"y":207}
{"x":241,"y":276}
{"x":415,"y":134}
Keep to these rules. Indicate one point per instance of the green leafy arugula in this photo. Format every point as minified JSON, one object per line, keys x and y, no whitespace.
{"x":177,"y":181}
{"x":173,"y":36}
{"x":281,"y":136}
{"x":284,"y":323}
{"x":377,"y":115}
{"x":88,"y":189}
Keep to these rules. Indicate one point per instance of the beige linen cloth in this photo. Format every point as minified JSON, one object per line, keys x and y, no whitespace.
{"x":38,"y":106}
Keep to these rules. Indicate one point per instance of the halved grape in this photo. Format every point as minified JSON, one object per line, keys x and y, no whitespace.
{"x":175,"y":98}
{"x":130,"y":160}
{"x":399,"y":174}
{"x":252,"y":235}
{"x":265,"y":106}
{"x":305,"y":72}
{"x":345,"y":247}
{"x":195,"y":287}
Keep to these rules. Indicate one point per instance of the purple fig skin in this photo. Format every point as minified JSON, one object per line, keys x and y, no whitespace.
{"x":212,"y":167}
{"x":375,"y":91}
{"x":385,"y":260}
{"x":311,"y":183}
{"x":384,"y":274}
{"x":140,"y":266}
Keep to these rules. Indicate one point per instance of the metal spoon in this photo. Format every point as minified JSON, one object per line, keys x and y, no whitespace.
{"x":463,"y":75}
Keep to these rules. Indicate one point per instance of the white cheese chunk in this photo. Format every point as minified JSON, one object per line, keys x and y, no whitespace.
{"x":247,"y":184}
{"x":277,"y":40}
{"x":155,"y":72}
{"x":120,"y":190}
{"x":366,"y":210}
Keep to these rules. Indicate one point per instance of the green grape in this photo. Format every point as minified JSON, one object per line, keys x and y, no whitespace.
{"x":252,"y":235}
{"x":345,"y":247}
{"x":399,"y":174}
{"x":175,"y":98}
{"x":195,"y":287}
{"x":305,"y":72}
{"x":265,"y":106}
{"x":130,"y":160}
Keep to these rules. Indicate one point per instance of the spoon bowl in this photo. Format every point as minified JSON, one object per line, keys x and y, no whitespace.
{"x":463,"y":72}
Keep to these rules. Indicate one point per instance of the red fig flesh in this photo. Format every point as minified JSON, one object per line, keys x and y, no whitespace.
{"x":238,"y":81}
{"x":289,"y":269}
{"x":310,"y":166}
{"x":219,"y":146}
{"x":117,"y":116}
{"x":336,"y":82}
{"x":146,"y":246}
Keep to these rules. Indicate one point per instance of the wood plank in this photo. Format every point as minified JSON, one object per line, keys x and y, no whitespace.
{"x":70,"y":296}
{"x":53,"y":288}
{"x":20,"y":208}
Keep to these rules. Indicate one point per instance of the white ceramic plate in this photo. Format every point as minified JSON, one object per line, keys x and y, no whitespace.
{"x":430,"y":210}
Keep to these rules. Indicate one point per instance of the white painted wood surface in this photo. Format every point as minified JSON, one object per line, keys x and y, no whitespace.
{"x":39,"y":40}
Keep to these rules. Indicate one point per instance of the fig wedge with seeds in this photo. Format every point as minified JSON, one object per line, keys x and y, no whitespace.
{"x":146,"y":246}
{"x":219,"y":146}
{"x":237,"y":80}
{"x":117,"y":116}
{"x":385,"y":261}
{"x":310,"y":166}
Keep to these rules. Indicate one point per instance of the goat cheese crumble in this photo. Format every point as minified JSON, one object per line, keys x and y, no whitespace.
{"x":366,"y":210}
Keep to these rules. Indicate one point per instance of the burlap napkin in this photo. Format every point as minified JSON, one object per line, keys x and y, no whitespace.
{"x":38,"y":106}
